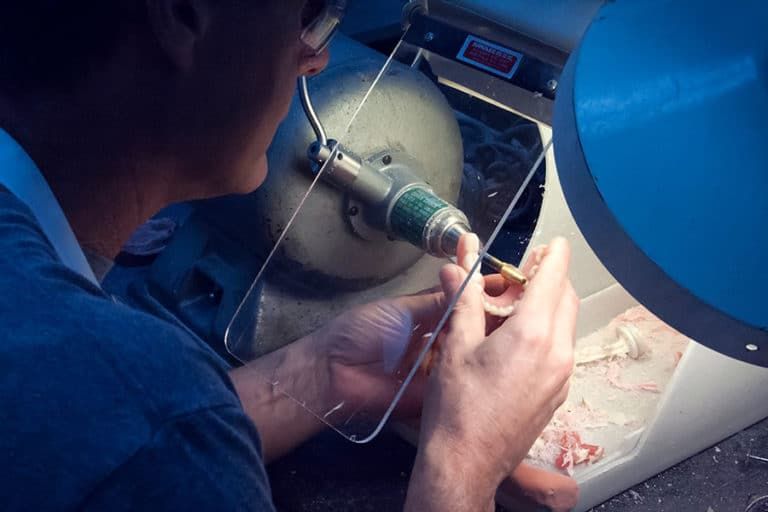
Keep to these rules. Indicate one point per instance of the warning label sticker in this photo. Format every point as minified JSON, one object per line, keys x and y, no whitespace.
{"x":490,"y":57}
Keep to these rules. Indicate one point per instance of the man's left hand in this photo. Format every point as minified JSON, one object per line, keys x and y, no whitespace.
{"x":370,"y":350}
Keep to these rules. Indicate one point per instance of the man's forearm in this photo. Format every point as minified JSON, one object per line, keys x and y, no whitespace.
{"x":270,"y":388}
{"x":442,"y":479}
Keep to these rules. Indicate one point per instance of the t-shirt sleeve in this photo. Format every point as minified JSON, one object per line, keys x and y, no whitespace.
{"x":204,"y":461}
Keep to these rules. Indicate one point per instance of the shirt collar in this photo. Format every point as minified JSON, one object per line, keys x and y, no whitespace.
{"x":20,"y":175}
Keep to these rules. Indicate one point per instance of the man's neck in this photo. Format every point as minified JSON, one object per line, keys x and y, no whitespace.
{"x":105,"y":186}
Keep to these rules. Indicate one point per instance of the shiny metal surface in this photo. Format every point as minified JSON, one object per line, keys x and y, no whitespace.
{"x":309,"y":110}
{"x":353,"y":176}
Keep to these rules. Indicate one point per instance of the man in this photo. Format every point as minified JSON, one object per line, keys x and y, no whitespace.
{"x":125,"y":106}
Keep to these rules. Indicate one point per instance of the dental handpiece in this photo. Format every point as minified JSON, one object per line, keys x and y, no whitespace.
{"x":402,"y":205}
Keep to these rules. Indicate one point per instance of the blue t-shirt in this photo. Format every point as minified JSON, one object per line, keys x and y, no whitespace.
{"x":103,"y":407}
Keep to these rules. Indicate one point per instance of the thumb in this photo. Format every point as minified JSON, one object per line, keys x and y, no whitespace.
{"x":466,"y":327}
{"x":425,"y":308}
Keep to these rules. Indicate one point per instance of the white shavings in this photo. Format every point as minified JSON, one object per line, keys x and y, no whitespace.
{"x":610,"y":399}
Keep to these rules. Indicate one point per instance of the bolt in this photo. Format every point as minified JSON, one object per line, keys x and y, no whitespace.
{"x":429,"y":37}
{"x":387,"y":159}
{"x":552,"y":84}
{"x":752,"y":347}
{"x":353,"y":210}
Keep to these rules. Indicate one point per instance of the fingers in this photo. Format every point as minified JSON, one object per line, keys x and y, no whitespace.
{"x":467,"y":254}
{"x":542,"y":296}
{"x":552,"y":490}
{"x":466,"y":327}
{"x":425,"y":309}
{"x":564,"y":328}
{"x":562,"y":340}
{"x":434,"y":289}
{"x":533,"y":259}
{"x":495,"y":285}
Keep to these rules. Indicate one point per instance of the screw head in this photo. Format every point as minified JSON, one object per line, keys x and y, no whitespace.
{"x":552,"y":84}
{"x":429,"y":36}
{"x":387,"y":159}
{"x":353,"y":210}
{"x":752,"y":347}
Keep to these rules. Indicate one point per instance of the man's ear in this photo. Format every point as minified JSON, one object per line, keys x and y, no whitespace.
{"x":311,"y":64}
{"x":178,"y":26}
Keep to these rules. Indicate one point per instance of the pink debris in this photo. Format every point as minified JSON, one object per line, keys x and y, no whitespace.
{"x":614,"y":379}
{"x":650,"y":386}
{"x":575,"y":452}
{"x":560,"y":444}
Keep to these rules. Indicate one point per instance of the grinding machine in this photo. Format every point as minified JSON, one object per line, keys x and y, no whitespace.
{"x":629,"y":128}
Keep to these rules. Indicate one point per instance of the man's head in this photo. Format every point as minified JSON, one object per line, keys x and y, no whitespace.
{"x":198,"y":86}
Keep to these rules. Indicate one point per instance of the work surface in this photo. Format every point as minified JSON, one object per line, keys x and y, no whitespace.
{"x":331,"y":474}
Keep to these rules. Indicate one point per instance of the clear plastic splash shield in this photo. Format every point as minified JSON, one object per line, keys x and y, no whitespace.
{"x":363,"y":361}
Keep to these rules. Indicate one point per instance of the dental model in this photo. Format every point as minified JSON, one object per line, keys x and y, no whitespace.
{"x":628,"y":344}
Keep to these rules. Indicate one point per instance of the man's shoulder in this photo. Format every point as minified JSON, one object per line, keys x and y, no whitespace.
{"x":85,"y":395}
{"x":86,"y":381}
{"x":57,"y":324}
{"x":52,"y":310}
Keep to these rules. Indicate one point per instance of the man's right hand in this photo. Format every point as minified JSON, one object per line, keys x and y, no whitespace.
{"x":488,"y":398}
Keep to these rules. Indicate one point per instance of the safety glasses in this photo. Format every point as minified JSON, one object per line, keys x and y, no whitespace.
{"x":322,"y":20}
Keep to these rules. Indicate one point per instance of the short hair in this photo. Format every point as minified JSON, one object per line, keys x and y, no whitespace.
{"x":51,"y":44}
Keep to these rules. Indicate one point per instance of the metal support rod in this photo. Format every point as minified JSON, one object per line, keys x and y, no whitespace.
{"x":309,"y":110}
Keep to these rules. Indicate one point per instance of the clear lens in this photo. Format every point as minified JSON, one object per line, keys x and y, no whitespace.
{"x":321,"y":30}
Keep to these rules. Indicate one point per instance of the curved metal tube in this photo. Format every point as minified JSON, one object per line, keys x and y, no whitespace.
{"x":309,"y":110}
